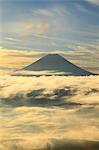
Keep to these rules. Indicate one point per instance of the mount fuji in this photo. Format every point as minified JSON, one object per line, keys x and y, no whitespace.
{"x":52,"y":64}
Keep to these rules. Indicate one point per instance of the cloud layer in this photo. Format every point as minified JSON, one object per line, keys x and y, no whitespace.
{"x":35,"y":90}
{"x":43,"y":113}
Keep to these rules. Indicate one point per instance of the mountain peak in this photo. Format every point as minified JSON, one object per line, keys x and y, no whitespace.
{"x":52,"y":64}
{"x":56,"y":63}
{"x":53,"y":54}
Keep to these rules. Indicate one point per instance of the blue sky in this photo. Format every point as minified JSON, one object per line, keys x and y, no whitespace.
{"x":50,"y":24}
{"x":68,"y":27}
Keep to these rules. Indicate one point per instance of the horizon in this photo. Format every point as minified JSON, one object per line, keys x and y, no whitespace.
{"x":39,"y":27}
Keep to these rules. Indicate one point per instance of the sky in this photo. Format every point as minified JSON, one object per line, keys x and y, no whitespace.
{"x":70,"y":27}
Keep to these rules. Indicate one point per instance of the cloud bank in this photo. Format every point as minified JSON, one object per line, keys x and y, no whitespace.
{"x":40,"y":90}
{"x":42,"y":113}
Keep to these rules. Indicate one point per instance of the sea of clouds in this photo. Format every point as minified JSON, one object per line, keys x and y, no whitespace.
{"x":49,"y":113}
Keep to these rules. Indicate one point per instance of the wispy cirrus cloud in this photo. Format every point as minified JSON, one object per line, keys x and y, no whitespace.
{"x":37,"y":27}
{"x":82,"y":8}
{"x":53,"y":11}
{"x":13,"y":39}
{"x":52,"y":23}
{"x":95,"y":2}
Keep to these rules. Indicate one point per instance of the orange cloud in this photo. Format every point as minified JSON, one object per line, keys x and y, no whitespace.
{"x":26,"y":27}
{"x":20,"y":58}
{"x":41,"y":27}
{"x":38,"y":28}
{"x":16,"y":59}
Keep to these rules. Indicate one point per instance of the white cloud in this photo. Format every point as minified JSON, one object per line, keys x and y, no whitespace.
{"x":35,"y":123}
{"x":50,"y":12}
{"x":72,"y":88}
{"x":96,"y":2}
{"x":1,"y":47}
{"x":13,"y":39}
{"x":82,"y":8}
{"x":42,"y":12}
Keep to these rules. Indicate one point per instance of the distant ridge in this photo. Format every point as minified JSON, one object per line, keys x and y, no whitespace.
{"x":54,"y":64}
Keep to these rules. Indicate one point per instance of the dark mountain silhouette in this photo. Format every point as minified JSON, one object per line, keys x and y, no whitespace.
{"x":56,"y":64}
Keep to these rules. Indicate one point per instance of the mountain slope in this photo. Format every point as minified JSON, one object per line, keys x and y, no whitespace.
{"x":56,"y":63}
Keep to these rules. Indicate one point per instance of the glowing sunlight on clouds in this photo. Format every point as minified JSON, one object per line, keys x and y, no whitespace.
{"x":47,"y":112}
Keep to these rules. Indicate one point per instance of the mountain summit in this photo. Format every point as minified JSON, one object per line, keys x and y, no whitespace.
{"x":54,"y":64}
